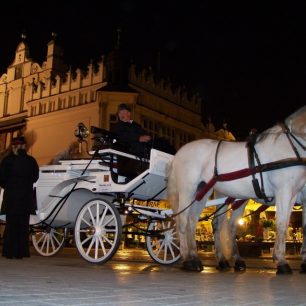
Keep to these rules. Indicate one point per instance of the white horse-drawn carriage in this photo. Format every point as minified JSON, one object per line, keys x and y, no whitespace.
{"x":91,"y":198}
{"x":90,"y":201}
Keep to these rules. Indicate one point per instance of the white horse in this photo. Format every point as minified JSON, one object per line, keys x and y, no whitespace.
{"x":225,"y":229}
{"x":200,"y":165}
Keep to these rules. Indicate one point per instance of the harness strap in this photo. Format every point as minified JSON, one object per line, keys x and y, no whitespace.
{"x":290,"y":135}
{"x":258,"y":210}
{"x":252,"y":156}
{"x":237,"y":204}
{"x":216,"y":158}
{"x":234,"y":175}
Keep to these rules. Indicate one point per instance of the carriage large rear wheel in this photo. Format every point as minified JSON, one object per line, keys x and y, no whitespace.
{"x":48,"y":241}
{"x":97,"y":231}
{"x":163,"y":243}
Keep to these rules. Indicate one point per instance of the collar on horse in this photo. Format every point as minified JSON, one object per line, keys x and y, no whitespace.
{"x":252,"y":155}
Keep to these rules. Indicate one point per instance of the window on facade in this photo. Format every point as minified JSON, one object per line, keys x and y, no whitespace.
{"x":112,"y":120}
{"x":81,"y":99}
{"x":60,"y":104}
{"x":92,"y":96}
{"x":51,"y":106}
{"x":33,"y":110}
{"x":18,"y":72}
{"x":42,"y":108}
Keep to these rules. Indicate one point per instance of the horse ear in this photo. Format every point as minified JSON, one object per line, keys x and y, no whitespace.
{"x":296,"y":122}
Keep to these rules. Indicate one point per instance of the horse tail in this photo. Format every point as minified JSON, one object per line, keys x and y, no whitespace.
{"x":172,"y":193}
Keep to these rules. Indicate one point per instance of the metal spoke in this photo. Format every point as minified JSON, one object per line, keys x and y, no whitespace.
{"x":90,"y":246}
{"x":108,"y":221}
{"x":91,"y":216}
{"x":85,"y":221}
{"x":103,"y":216}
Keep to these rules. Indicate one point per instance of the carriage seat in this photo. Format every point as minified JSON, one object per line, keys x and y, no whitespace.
{"x":123,"y":166}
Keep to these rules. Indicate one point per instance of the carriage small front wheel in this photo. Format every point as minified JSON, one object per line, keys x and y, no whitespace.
{"x":48,"y":241}
{"x":162,"y":242}
{"x":97,"y":231}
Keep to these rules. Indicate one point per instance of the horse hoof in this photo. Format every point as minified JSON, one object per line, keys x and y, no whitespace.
{"x":240,"y":266}
{"x":303,"y":268}
{"x":193,"y":265}
{"x":223,"y":266}
{"x":283,"y":269}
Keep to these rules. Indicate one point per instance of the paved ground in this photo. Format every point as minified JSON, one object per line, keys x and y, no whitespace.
{"x":132,"y":279}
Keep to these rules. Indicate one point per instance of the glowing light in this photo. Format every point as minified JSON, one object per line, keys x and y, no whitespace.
{"x":241,"y":221}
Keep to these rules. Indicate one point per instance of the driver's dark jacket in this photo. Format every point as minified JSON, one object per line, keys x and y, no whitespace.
{"x":128,"y":134}
{"x":17,"y":175}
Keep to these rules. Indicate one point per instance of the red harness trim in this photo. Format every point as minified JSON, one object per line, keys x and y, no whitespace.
{"x":237,"y":204}
{"x":222,"y":177}
{"x":201,"y":193}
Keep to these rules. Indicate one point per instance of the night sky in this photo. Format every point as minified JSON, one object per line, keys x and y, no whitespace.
{"x":248,"y":62}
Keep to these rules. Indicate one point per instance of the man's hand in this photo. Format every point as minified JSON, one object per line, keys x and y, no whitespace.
{"x":144,"y":138}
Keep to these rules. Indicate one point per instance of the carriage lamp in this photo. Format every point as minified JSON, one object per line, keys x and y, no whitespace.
{"x":81,"y":132}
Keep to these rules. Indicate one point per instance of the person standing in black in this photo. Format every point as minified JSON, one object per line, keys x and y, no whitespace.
{"x":18,"y":172}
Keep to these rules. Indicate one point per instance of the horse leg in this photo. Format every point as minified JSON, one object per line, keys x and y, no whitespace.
{"x":193,"y":262}
{"x":236,"y":215}
{"x":283,"y":212}
{"x":217,"y":222}
{"x":186,"y":227}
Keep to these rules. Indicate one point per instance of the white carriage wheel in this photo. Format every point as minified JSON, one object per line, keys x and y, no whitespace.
{"x":163,"y":249}
{"x":97,"y":231}
{"x":48,"y":242}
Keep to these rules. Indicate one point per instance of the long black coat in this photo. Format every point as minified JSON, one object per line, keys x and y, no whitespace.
{"x":17,"y":175}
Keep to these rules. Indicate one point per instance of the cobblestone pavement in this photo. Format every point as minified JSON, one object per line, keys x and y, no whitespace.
{"x":132,"y":279}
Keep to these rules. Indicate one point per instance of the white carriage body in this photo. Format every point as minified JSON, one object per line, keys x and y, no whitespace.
{"x":56,"y":181}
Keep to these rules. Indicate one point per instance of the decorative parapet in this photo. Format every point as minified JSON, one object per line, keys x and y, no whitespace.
{"x":163,"y":88}
{"x":42,"y":80}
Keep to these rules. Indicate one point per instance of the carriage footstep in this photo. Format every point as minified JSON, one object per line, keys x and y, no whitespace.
{"x":223,"y":266}
{"x":283,"y":269}
{"x":240,"y":266}
{"x":194,"y":265}
{"x":303,"y":268}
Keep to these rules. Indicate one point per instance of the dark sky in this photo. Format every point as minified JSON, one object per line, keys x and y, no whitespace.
{"x":247,"y":61}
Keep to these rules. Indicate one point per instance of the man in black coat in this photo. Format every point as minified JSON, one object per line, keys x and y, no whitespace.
{"x":18,"y":172}
{"x":130,"y":135}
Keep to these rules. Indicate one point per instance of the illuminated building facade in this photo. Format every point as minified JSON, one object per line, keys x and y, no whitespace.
{"x":45,"y":102}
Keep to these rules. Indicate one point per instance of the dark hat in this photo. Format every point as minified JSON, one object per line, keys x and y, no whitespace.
{"x":18,"y":140}
{"x":123,"y":106}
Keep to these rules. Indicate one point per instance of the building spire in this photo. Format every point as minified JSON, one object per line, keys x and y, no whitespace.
{"x":23,"y":36}
{"x":118,"y":40}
